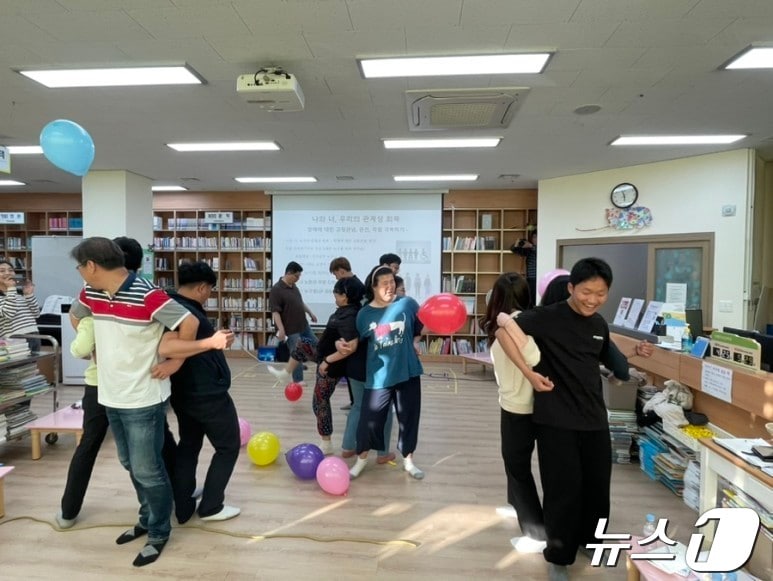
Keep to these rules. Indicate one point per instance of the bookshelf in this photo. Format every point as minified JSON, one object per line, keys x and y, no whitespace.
{"x":16,"y":238}
{"x":238,"y":249}
{"x":478,"y":232}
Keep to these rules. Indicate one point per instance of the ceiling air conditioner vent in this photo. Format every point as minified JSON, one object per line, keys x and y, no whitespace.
{"x":463,"y":108}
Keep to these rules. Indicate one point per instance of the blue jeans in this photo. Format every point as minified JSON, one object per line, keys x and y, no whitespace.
{"x":139,"y":439}
{"x":292,"y":342}
{"x":353,"y":420}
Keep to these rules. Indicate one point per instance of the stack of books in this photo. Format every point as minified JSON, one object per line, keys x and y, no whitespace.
{"x":622,"y":428}
{"x":24,"y":377}
{"x":17,"y":417}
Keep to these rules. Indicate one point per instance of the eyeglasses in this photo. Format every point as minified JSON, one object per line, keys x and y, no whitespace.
{"x":79,"y":266}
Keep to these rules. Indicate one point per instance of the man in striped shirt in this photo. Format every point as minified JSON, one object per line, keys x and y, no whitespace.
{"x":130,"y":314}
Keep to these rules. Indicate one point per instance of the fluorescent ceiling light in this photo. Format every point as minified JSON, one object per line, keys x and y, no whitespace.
{"x":277,"y":180}
{"x":753,"y":58}
{"x":114,"y":77}
{"x":227,"y":146}
{"x":441,"y":143}
{"x":25,"y":149}
{"x":438,"y":178}
{"x":11,"y":183}
{"x":677,"y":139}
{"x":168,"y":189}
{"x":493,"y":64}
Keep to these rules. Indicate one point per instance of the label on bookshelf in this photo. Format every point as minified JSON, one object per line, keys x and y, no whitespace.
{"x":218,"y":217}
{"x":11,"y":217}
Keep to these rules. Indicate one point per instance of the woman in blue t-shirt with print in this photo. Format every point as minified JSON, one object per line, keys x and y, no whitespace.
{"x":393,"y":369}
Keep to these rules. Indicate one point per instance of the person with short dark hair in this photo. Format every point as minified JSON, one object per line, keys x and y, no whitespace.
{"x":201,"y":402}
{"x":391,"y":260}
{"x":132,"y":252}
{"x":573,"y":441}
{"x":288,"y":312}
{"x":130,"y":315}
{"x":19,"y":308}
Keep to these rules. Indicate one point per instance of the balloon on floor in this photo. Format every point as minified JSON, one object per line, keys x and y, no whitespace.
{"x":263,"y":448}
{"x":333,"y":475}
{"x":304,"y":459}
{"x":293,"y":391}
{"x":244,"y":431}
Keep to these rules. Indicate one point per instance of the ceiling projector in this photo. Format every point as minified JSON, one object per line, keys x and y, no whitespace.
{"x":271,"y":90}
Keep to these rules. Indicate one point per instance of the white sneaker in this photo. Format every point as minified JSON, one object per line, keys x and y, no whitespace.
{"x":64,"y":523}
{"x":506,"y":512}
{"x":226,"y":513}
{"x":280,"y":374}
{"x":528,"y":545}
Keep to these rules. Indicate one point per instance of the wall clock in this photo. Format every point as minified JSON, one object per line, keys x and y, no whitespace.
{"x":624,"y":195}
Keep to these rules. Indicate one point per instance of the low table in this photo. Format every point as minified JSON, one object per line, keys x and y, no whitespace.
{"x":483,"y":359}
{"x":4,"y":470}
{"x":639,"y":569}
{"x":65,"y":420}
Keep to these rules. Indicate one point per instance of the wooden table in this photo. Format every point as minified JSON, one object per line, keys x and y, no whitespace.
{"x":67,"y":419}
{"x":4,"y":470}
{"x":483,"y":359}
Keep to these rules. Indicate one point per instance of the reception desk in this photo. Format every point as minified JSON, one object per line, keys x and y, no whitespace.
{"x":751,"y":404}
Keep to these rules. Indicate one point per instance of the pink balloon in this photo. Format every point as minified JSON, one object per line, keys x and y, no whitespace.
{"x":333,"y":475}
{"x":443,"y":314}
{"x":547,"y":278}
{"x":244,"y":431}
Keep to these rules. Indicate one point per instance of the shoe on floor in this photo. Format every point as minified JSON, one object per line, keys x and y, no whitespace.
{"x":280,"y":374}
{"x":226,"y":513}
{"x":386,"y":459}
{"x":528,"y":545}
{"x":557,"y":572}
{"x":506,"y":512}
{"x":197,"y":492}
{"x":64,"y":523}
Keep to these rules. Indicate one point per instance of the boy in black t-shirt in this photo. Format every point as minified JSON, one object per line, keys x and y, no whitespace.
{"x":574,"y":449}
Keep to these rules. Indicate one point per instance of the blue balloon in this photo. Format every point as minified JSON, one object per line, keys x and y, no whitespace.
{"x":304,"y":459}
{"x":68,"y":146}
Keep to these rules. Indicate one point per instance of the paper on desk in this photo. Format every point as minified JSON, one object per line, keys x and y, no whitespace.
{"x":677,"y":566}
{"x":52,"y":305}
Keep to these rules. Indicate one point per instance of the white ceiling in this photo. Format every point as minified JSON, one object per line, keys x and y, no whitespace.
{"x":652,"y":65}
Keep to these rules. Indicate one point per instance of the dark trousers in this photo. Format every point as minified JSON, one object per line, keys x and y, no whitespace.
{"x":576,"y":468}
{"x":94,"y":429}
{"x":375,"y":408}
{"x":518,"y":436}
{"x":214,"y":417}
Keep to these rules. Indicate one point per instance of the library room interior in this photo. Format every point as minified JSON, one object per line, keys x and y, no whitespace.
{"x":522,"y":250}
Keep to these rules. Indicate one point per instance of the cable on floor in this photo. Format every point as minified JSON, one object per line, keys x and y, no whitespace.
{"x":252,"y":537}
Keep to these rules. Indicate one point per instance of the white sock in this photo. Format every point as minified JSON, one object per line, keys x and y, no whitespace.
{"x":326,"y":446}
{"x":506,"y":512}
{"x":280,"y":373}
{"x":528,"y":545}
{"x":411,"y":469}
{"x":358,"y":467}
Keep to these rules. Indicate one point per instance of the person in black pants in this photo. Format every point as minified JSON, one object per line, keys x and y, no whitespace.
{"x":573,"y":443}
{"x":201,"y":402}
{"x":95,"y":421}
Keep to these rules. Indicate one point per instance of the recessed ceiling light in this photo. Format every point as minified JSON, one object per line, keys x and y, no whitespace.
{"x":493,"y":64}
{"x":25,"y":149}
{"x":441,"y":143}
{"x":168,"y":189}
{"x":752,"y":58}
{"x":11,"y":183}
{"x":471,"y":177}
{"x":114,"y":77}
{"x":676,"y":139}
{"x":277,"y":180}
{"x":227,"y":146}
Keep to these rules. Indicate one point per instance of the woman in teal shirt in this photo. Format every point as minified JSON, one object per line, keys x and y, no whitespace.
{"x":393,"y":370}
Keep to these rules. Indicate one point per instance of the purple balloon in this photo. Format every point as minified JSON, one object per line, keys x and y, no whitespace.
{"x":304,"y":459}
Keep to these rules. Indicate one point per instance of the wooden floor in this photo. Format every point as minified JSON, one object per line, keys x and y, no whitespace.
{"x":389,"y":526}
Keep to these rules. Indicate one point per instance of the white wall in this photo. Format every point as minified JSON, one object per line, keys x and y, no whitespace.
{"x":684,"y":195}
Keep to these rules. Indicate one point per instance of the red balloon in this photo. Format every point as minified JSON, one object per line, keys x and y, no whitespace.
{"x":443,"y":314}
{"x":293,"y":391}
